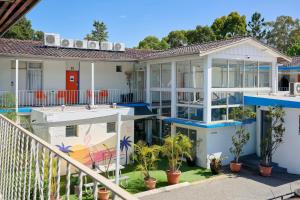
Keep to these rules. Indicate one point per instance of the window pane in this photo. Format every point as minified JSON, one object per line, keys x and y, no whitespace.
{"x":265,"y":74}
{"x":166,"y":112}
{"x":183,"y":98}
{"x":166,"y":75}
{"x":196,"y":113}
{"x":218,"y":98}
{"x":155,"y":98}
{"x":235,"y":98}
{"x":236,"y":69}
{"x":155,"y":75}
{"x":71,"y":131}
{"x":218,"y":114}
{"x":219,"y":73}
{"x":197,"y":76}
{"x":111,"y":127}
{"x":166,"y":98}
{"x":182,"y":112}
{"x":183,"y":73}
{"x":34,"y":76}
{"x":250,"y":74}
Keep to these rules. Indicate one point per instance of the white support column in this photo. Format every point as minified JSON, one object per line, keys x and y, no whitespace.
{"x":173,"y":90}
{"x":207,"y":89}
{"x":17,"y":86}
{"x":92,"y":84}
{"x":117,"y":172}
{"x":274,"y":77}
{"x":148,"y":97}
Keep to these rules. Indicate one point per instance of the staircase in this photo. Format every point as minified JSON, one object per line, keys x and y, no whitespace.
{"x":252,"y":162}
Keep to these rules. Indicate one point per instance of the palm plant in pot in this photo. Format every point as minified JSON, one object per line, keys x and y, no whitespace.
{"x":241,"y":136}
{"x":147,"y":157}
{"x":175,"y":148}
{"x":272,"y":139}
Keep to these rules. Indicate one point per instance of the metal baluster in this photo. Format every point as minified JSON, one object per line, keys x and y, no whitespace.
{"x":21,"y":165}
{"x":80,"y":185}
{"x":26,"y":166}
{"x":49,"y":175}
{"x":7,"y":160}
{"x":36,"y":177}
{"x":68,"y":181}
{"x":32,"y":144}
{"x":95,"y":190}
{"x":42,"y":174}
{"x":58,"y":178}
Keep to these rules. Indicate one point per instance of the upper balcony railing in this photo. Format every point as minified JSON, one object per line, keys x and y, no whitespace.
{"x":30,"y":168}
{"x":35,"y":98}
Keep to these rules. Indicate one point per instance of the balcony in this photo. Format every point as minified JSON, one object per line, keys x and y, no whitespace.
{"x":38,"y":98}
{"x":30,"y":168}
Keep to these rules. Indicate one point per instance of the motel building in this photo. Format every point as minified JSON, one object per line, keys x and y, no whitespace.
{"x":191,"y":89}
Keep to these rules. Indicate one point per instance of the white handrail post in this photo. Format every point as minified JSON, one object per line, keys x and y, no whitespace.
{"x":17,"y":86}
{"x":92,"y":84}
{"x":118,"y":149}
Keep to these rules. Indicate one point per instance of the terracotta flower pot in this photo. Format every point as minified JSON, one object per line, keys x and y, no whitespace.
{"x":103,"y":194}
{"x":173,"y":177}
{"x":235,"y":167}
{"x":150,"y":183}
{"x":265,"y":170}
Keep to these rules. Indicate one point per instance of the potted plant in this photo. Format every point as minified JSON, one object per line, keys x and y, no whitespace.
{"x":191,"y":161}
{"x":215,"y":164}
{"x":146,"y":158}
{"x":175,"y":148}
{"x":241,"y":137}
{"x":272,"y":139}
{"x":103,"y":193}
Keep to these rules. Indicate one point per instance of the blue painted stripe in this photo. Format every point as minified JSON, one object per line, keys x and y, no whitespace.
{"x":21,"y":110}
{"x":261,"y":101}
{"x":203,"y":125}
{"x":288,"y":68}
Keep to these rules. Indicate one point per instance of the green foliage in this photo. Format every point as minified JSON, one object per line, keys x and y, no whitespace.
{"x":152,"y":42}
{"x":176,"y":39}
{"x":23,"y":30}
{"x":294,"y":49}
{"x":175,"y":148}
{"x":229,"y":26}
{"x":242,"y":113}
{"x":99,"y":33}
{"x":200,"y":34}
{"x":146,"y":157}
{"x":257,"y":26}
{"x":274,"y":136}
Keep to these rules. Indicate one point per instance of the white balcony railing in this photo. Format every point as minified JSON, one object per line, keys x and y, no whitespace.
{"x":71,"y":97}
{"x":30,"y":168}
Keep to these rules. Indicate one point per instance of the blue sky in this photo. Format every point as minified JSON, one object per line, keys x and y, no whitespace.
{"x":130,"y":21}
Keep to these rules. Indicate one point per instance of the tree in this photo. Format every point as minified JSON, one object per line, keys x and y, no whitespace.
{"x":99,"y":33}
{"x":229,"y":26}
{"x":200,"y":34}
{"x":152,"y":42}
{"x":283,"y":32}
{"x":256,"y":26}
{"x":38,"y":36}
{"x":176,"y":38}
{"x":294,"y":50}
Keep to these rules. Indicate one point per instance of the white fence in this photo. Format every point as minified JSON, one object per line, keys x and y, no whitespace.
{"x":70,"y":97}
{"x":30,"y":168}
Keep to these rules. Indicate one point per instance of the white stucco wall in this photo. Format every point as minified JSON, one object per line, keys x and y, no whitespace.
{"x":5,"y":69}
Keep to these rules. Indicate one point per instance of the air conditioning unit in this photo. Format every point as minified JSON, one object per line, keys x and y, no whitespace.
{"x":106,"y":46}
{"x":119,"y":46}
{"x":80,"y":44}
{"x":67,"y":43}
{"x":294,"y":89}
{"x":93,"y":45}
{"x":52,"y":39}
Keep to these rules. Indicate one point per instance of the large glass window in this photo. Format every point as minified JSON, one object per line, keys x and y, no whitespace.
{"x":190,"y":74}
{"x":155,"y":75}
{"x":265,"y":74}
{"x":251,"y":74}
{"x":197,"y":76}
{"x":218,"y":114}
{"x":218,"y":98}
{"x":219,"y":73}
{"x":155,"y":98}
{"x":166,"y":75}
{"x":183,"y":71}
{"x":183,"y":112}
{"x":236,"y":71}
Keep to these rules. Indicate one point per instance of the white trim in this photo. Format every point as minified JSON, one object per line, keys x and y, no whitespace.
{"x":17,"y":86}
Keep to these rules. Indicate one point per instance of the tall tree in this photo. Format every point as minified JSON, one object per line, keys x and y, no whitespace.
{"x":229,"y":26}
{"x":200,"y":34}
{"x":152,"y":42}
{"x":256,"y":27}
{"x":283,"y":32}
{"x":176,"y":38}
{"x":99,"y":33}
{"x":294,"y":49}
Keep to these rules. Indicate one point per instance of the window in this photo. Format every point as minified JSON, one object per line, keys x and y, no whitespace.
{"x":166,"y":75}
{"x":71,"y":131}
{"x":265,"y":74}
{"x":155,"y":76}
{"x":236,"y":71}
{"x":34,"y":76}
{"x":219,"y":73}
{"x":118,"y":68}
{"x":250,"y":74}
{"x":111,"y":127}
{"x":189,"y":74}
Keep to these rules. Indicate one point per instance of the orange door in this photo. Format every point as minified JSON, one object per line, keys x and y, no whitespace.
{"x":72,"y":86}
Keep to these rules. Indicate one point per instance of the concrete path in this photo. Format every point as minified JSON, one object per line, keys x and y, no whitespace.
{"x":246,"y":185}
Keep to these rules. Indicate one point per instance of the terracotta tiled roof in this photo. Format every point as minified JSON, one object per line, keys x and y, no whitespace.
{"x":296,"y":61}
{"x":12,"y":47}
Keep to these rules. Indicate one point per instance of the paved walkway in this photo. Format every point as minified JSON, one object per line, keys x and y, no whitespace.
{"x":246,"y":185}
